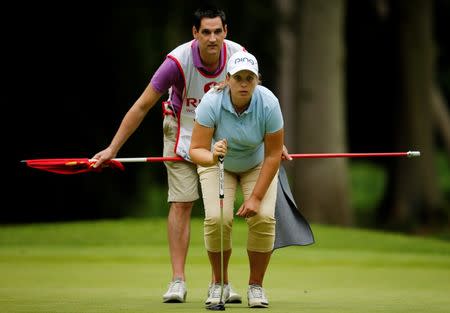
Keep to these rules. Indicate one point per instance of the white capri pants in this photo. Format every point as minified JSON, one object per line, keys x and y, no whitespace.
{"x":261,"y":227}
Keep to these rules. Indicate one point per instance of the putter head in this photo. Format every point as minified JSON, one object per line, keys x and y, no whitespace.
{"x":216,"y":307}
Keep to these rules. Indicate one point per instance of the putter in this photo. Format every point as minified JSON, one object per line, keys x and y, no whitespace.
{"x":221,"y":305}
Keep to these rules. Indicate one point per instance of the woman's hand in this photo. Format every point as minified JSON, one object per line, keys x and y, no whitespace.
{"x":220,"y":149}
{"x":249,"y":208}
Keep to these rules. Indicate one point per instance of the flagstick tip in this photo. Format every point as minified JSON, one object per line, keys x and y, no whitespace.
{"x":412,"y":154}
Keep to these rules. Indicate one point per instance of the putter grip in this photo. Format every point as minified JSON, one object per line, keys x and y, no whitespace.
{"x":221,"y":178}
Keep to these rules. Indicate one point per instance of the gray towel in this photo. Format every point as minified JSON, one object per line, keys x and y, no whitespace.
{"x":291,"y":229}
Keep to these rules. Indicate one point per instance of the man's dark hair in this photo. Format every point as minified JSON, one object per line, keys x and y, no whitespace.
{"x":208,"y":12}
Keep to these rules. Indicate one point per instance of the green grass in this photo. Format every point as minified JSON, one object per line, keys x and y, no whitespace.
{"x":123,"y":266}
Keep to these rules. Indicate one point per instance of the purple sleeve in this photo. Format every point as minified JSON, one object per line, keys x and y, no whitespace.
{"x":166,"y":76}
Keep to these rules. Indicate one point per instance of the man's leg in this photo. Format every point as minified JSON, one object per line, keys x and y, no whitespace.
{"x":182,"y":181}
{"x":178,"y":231}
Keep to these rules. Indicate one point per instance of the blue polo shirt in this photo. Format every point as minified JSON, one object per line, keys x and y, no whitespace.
{"x":245,"y":133}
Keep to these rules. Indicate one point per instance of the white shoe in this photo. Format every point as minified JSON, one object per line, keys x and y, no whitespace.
{"x":234,"y":296}
{"x":176,"y":292}
{"x":257,"y":297}
{"x":214,"y":291}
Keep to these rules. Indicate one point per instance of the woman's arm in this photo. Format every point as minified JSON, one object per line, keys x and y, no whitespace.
{"x":200,"y":150}
{"x":273,"y":148}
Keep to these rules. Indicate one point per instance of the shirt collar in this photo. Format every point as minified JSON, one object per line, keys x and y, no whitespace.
{"x":227,"y":105}
{"x":198,"y":61}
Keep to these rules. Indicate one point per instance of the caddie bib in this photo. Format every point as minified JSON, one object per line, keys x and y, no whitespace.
{"x":196,"y":84}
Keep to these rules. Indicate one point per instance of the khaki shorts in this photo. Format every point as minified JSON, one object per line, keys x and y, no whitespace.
{"x":182,"y":177}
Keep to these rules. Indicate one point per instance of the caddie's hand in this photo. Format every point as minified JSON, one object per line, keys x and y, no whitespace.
{"x":285,"y":154}
{"x":220,"y":86}
{"x":220,"y":149}
{"x":103,"y":156}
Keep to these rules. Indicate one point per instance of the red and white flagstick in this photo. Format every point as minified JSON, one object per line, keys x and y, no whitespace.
{"x":409,"y":154}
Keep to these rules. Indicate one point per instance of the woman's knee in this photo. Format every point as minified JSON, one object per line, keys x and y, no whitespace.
{"x":214,"y":222}
{"x":212,"y":234}
{"x":261,"y":236}
{"x":261,"y":220}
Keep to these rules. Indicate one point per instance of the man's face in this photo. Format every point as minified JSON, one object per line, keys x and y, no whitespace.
{"x":210,"y":36}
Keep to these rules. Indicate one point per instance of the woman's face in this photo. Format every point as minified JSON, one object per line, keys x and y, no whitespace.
{"x":242,"y":84}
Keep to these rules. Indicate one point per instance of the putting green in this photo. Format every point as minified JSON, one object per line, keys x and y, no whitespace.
{"x":123,"y":266}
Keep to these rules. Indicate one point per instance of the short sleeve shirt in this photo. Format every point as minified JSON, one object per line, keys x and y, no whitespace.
{"x":245,"y":132}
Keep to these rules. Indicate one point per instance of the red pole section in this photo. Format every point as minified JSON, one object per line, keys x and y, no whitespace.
{"x":166,"y":159}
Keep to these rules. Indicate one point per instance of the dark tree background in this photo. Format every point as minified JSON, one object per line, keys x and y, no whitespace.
{"x":72,"y":70}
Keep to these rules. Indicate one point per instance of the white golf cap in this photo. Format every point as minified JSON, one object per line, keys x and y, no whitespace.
{"x":242,"y":60}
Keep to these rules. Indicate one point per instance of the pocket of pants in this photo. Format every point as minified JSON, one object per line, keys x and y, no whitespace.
{"x":169,"y":127}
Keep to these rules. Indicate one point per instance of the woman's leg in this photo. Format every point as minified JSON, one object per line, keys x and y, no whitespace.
{"x":259,"y":262}
{"x":209,"y":181}
{"x":261,"y":234}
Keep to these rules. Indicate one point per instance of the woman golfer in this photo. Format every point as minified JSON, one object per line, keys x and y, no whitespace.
{"x":242,"y":122}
